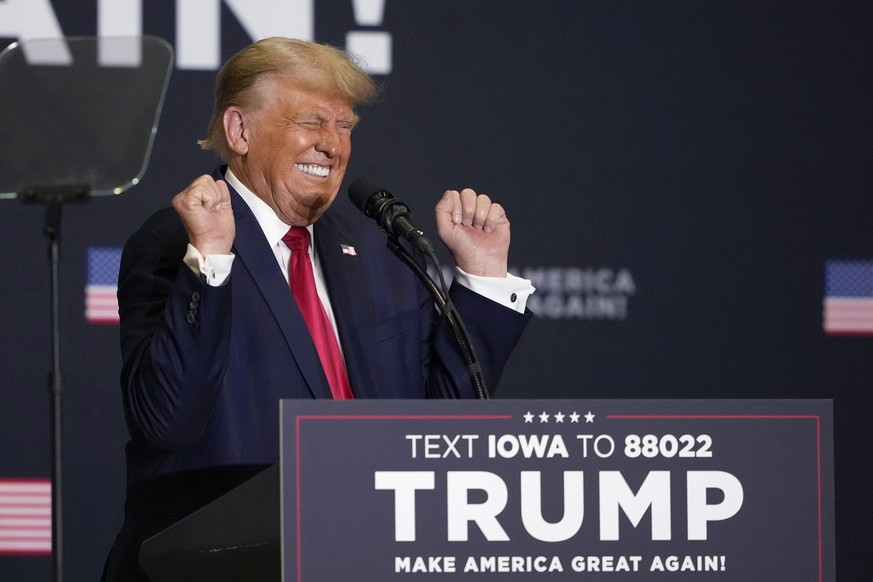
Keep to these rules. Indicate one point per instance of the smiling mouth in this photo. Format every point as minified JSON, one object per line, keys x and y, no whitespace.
{"x":314,"y":170}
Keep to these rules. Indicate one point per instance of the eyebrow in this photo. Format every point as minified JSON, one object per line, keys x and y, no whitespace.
{"x":351,"y":118}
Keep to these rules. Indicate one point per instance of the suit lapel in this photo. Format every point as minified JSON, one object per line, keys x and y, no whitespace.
{"x":253,"y":251}
{"x":344,"y":275}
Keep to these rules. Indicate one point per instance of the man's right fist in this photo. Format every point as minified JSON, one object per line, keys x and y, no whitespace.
{"x":205,"y":209}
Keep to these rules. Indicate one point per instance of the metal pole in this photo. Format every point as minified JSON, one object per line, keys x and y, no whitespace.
{"x":52,"y":231}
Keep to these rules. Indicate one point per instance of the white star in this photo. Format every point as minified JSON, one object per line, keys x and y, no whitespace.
{"x":559,"y":417}
{"x":574,"y":417}
{"x":544,"y":418}
{"x":589,"y":417}
{"x":528,"y":417}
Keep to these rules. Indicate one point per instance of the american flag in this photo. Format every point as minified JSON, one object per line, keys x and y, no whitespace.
{"x":101,"y":303}
{"x":25,"y":516}
{"x":848,"y":301}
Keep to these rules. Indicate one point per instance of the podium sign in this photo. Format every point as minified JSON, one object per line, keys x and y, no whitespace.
{"x":378,"y":491}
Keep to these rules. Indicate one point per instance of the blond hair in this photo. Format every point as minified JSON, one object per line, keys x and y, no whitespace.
{"x":312,"y":66}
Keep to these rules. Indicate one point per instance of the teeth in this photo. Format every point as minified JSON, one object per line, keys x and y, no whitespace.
{"x":313,"y":170}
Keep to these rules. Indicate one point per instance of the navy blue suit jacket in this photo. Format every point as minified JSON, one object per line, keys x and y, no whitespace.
{"x":204,"y":367}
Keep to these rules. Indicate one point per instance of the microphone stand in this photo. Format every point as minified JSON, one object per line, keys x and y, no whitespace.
{"x":448,"y":310}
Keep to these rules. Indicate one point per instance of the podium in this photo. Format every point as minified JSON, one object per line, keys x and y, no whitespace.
{"x":237,"y":537}
{"x":375,"y":491}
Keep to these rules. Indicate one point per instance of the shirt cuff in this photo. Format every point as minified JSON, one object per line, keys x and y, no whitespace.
{"x":213,"y":269}
{"x":509,"y":291}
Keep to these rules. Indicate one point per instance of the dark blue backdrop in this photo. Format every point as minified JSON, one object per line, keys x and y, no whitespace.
{"x":678,"y":176}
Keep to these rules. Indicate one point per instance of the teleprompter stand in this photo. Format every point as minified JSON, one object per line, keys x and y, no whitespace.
{"x":79,"y":117}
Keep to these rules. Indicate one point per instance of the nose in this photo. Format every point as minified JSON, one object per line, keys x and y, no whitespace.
{"x":330,"y":141}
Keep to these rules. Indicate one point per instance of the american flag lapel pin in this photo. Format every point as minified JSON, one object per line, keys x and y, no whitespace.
{"x":349,"y":250}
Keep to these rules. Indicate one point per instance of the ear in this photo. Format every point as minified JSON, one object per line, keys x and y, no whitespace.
{"x":236,"y":131}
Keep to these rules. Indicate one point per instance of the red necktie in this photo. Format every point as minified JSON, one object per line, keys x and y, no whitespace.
{"x":303,"y":286}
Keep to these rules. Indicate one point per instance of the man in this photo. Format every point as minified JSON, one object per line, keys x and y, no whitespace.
{"x":211,"y":334}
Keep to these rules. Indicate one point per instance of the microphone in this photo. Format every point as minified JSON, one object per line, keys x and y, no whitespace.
{"x":375,"y":201}
{"x":393,"y":216}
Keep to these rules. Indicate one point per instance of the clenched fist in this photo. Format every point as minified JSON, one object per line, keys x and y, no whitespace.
{"x":205,"y":209}
{"x":476,"y":232}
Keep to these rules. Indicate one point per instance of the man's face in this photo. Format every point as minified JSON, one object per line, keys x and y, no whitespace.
{"x":297,"y":148}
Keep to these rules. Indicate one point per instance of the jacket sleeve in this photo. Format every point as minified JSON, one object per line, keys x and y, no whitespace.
{"x":175,"y":333}
{"x":493,"y":331}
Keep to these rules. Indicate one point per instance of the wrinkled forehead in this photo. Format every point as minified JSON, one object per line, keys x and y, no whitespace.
{"x":283,"y":98}
{"x":291,"y":89}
